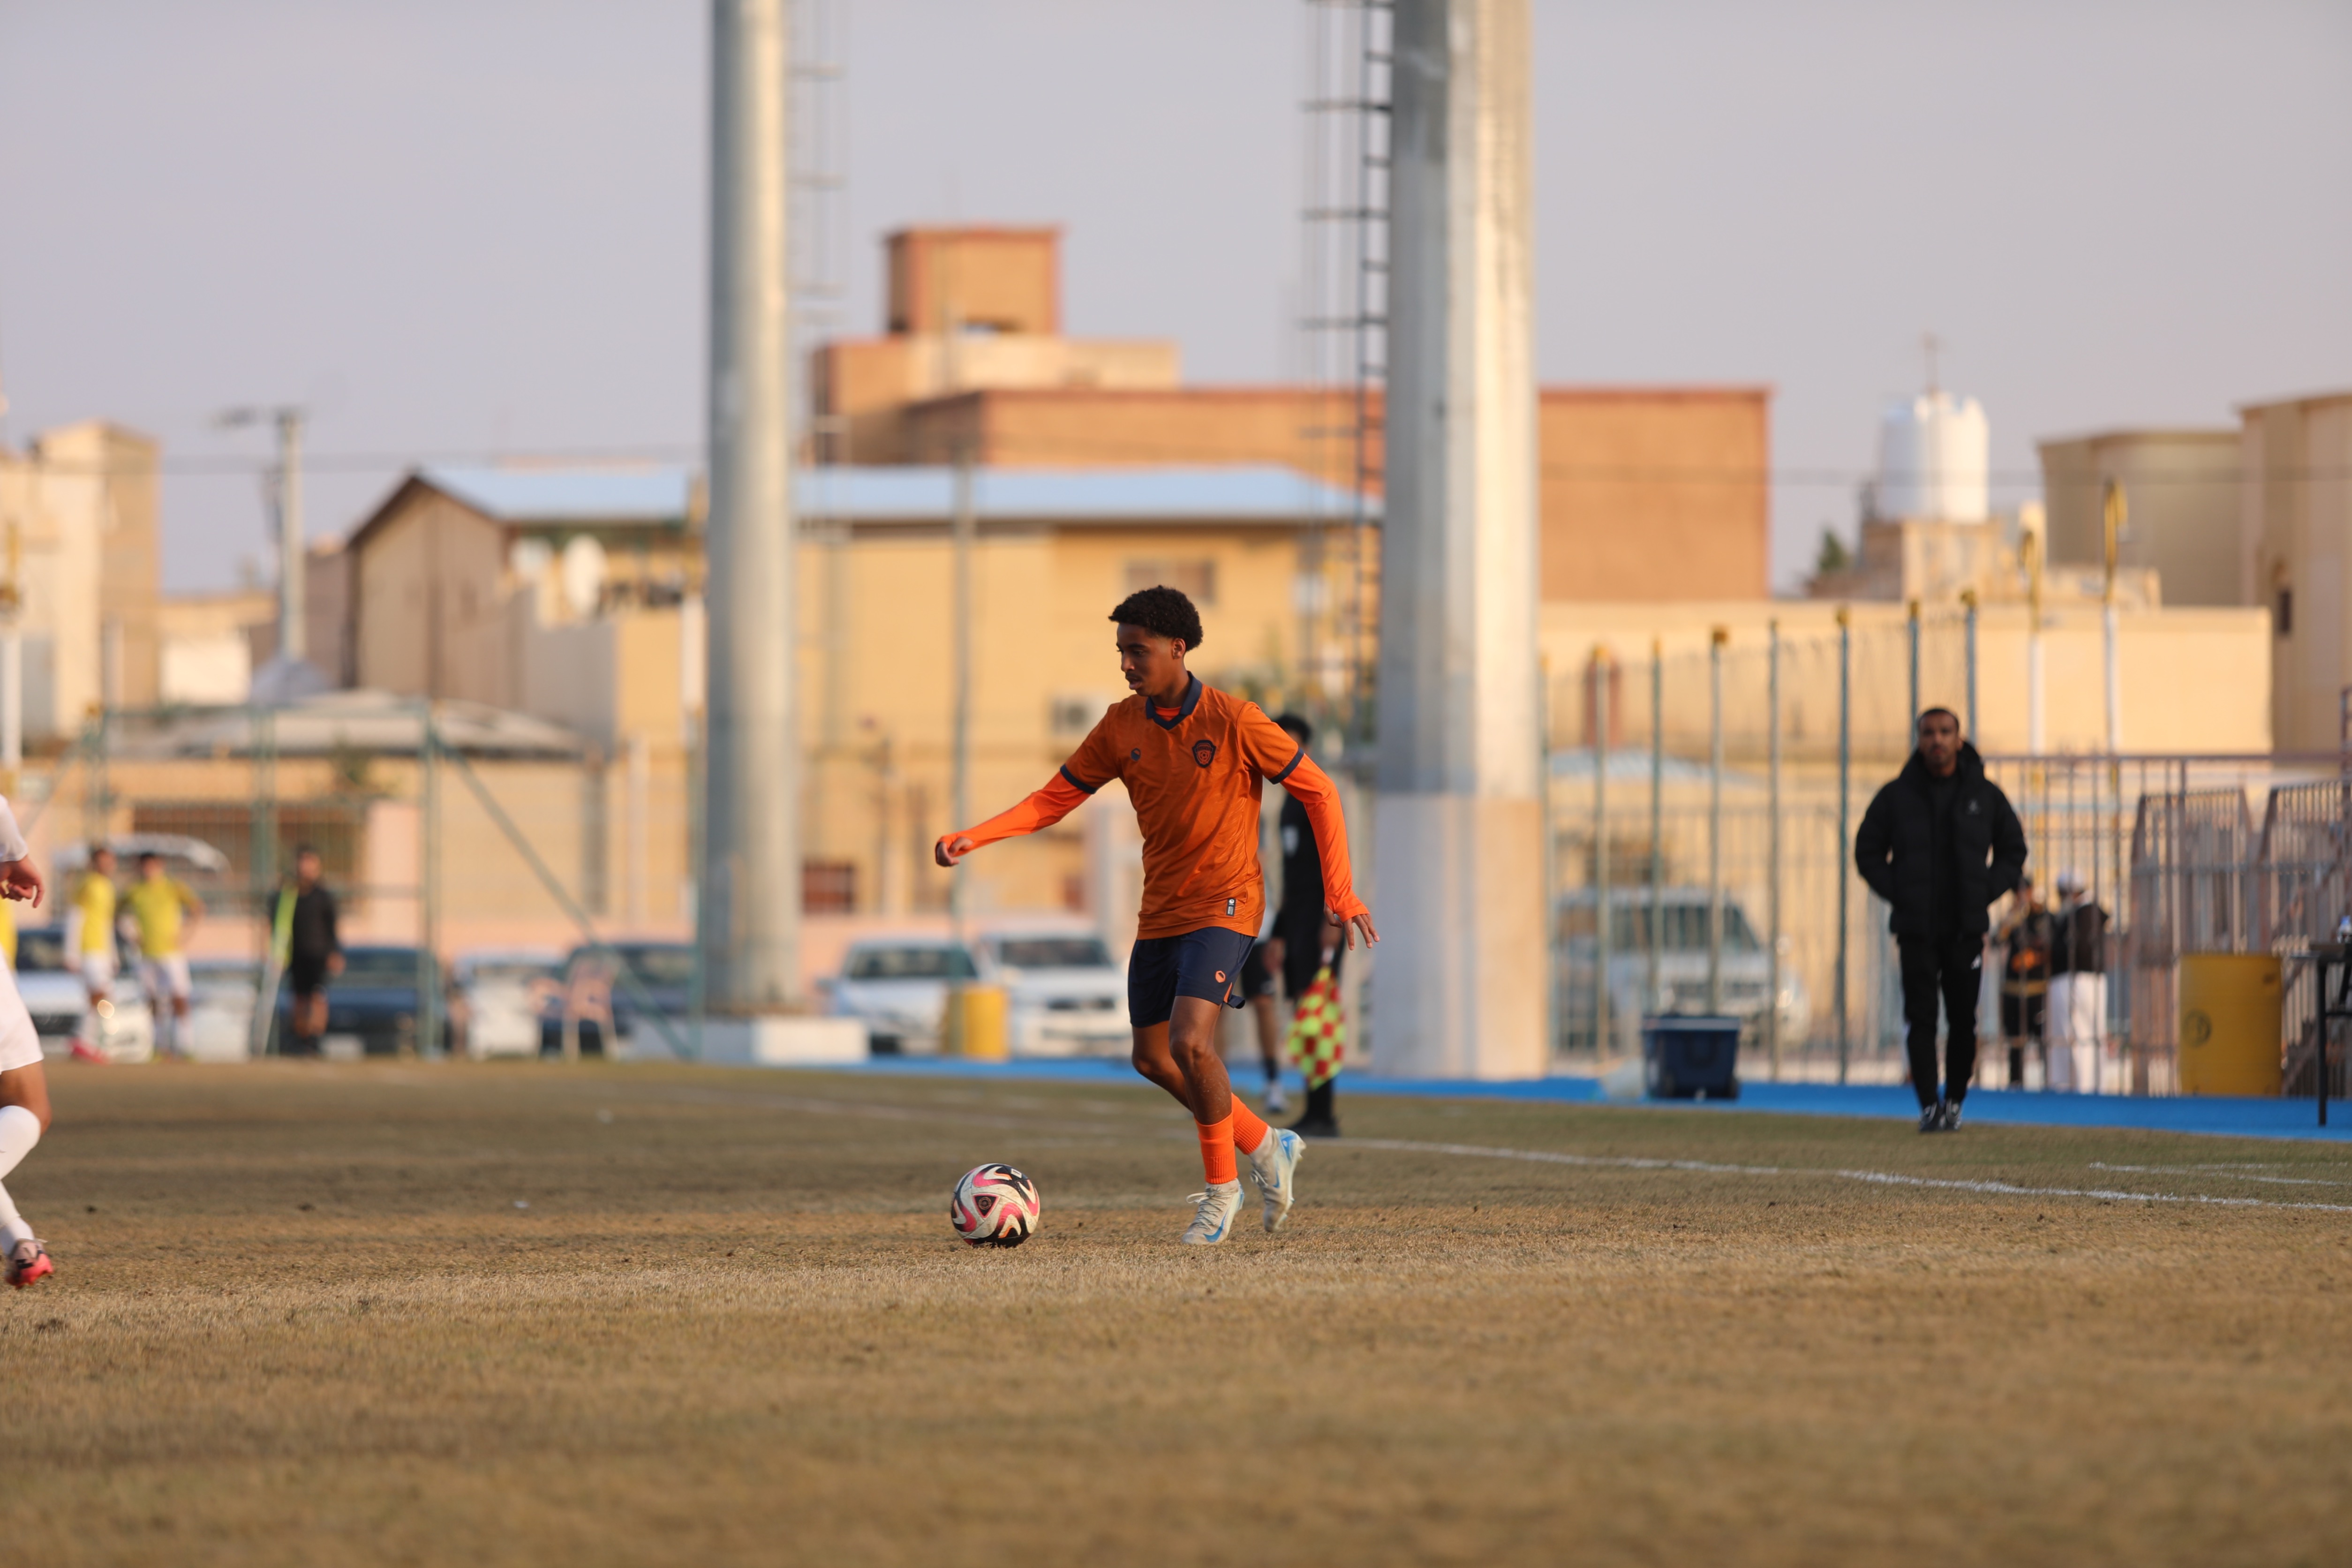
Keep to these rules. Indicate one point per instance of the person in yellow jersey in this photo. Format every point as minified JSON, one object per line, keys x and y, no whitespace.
{"x":89,"y":930}
{"x":162,"y":907}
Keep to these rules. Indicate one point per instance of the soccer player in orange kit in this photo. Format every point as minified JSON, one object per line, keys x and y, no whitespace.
{"x":1194,"y":761}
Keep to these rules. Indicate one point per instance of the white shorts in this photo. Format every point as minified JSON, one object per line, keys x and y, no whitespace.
{"x":98,"y":970}
{"x":19,"y":1046}
{"x":165,"y":976}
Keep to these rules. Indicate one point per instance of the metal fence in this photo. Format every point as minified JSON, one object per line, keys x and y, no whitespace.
{"x":1722,"y":845}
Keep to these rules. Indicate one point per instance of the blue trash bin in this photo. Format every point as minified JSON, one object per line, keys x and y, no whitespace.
{"x":1691,"y":1057}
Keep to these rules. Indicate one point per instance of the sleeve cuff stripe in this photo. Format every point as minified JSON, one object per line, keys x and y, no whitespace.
{"x":1291,"y":766}
{"x":1077,"y":783}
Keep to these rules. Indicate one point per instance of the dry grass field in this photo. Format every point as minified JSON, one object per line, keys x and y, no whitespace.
{"x":318,"y":1314}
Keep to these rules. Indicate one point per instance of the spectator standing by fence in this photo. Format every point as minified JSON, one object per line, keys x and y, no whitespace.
{"x":2078,"y":989}
{"x":1939,"y":844}
{"x":2025,"y":939}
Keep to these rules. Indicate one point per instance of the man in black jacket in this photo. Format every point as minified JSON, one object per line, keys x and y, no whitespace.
{"x":1940,"y":844}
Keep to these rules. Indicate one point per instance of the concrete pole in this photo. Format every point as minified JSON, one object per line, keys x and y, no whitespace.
{"x":751,"y":881}
{"x":292,"y":569}
{"x":1458,"y":835}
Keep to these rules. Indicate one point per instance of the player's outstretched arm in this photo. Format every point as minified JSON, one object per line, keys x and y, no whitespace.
{"x":1041,"y":810}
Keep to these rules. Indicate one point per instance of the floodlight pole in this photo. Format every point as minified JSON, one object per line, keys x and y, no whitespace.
{"x":748,"y":889}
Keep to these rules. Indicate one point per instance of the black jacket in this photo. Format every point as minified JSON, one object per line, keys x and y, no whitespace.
{"x":2080,"y":946}
{"x":1894,"y":848}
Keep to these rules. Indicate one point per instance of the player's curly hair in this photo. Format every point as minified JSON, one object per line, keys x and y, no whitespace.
{"x":1163,"y":611}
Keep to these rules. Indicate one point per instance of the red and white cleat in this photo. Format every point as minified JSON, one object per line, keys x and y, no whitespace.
{"x":27,"y":1263}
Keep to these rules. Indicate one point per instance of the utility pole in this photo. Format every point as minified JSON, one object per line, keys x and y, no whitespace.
{"x":1846,"y":823}
{"x":2036,"y":739}
{"x":960,"y":791}
{"x":1603,"y":916}
{"x":292,"y":559}
{"x":1651,"y":1001}
{"x":12,"y":662}
{"x":750,"y":882}
{"x":1716,"y":639}
{"x":1772,"y":897}
{"x":1457,"y":826}
{"x":2114,"y":513}
{"x":1969,"y":599}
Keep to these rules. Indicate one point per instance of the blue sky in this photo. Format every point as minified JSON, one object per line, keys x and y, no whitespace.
{"x":460,"y":229}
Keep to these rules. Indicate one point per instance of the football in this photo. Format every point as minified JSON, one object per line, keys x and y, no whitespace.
{"x":995,"y":1205}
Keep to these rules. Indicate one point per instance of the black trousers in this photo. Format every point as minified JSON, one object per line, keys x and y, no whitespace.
{"x":1946,"y":969}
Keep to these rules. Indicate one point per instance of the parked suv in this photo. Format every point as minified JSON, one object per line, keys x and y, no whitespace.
{"x":1065,"y":996}
{"x":898,"y":986}
{"x":1745,"y":974}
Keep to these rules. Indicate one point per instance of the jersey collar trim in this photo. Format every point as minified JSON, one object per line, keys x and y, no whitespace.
{"x":1192,"y":700}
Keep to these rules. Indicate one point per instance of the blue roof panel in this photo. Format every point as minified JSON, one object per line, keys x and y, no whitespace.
{"x":569,"y":495}
{"x":1189,"y":494}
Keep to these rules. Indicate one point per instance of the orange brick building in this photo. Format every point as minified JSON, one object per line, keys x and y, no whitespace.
{"x":1648,"y":493}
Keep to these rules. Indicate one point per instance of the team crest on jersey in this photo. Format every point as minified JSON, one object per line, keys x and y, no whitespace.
{"x":1136,"y":755}
{"x":1204,"y":752}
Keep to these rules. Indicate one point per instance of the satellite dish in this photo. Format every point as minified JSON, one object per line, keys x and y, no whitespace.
{"x":583,"y":574}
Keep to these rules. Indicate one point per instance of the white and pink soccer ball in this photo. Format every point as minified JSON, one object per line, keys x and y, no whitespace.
{"x":995,"y":1205}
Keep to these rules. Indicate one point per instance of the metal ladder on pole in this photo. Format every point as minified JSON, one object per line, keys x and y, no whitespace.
{"x":1345,"y":323}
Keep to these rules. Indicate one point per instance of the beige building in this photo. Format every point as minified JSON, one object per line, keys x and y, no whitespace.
{"x":2295,"y":546}
{"x":78,"y":516}
{"x":2180,"y":489}
{"x":1645,"y":492}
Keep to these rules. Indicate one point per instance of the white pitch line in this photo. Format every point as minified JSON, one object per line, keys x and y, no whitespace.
{"x":1537,"y":1156}
{"x":2235,"y":1174}
{"x":1875,"y":1178}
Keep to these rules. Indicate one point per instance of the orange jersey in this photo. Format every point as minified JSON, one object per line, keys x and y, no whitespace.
{"x":1195,"y":778}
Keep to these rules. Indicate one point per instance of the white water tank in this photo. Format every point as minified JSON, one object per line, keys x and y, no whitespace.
{"x":1933,"y":455}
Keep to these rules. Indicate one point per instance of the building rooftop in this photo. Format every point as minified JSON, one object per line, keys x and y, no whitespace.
{"x":617,"y":497}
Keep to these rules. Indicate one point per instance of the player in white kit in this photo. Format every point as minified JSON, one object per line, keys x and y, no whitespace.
{"x":24,"y":1092}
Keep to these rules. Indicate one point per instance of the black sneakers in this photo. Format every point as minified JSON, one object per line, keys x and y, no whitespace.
{"x":1943,"y":1116}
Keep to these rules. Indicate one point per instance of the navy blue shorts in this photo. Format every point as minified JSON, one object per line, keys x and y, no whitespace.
{"x":1206,"y":963}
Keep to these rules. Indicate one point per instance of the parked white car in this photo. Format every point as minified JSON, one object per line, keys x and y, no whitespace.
{"x":1065,"y":995}
{"x":898,"y":986}
{"x":499,"y":998}
{"x":1745,"y":974}
{"x":222,"y":993}
{"x":60,"y":1005}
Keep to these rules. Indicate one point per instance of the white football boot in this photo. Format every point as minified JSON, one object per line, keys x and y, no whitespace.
{"x":1213,"y":1220}
{"x":1275,"y":1168}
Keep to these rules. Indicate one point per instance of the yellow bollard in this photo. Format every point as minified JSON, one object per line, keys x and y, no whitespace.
{"x":2229,"y":1022}
{"x":975,"y":1026}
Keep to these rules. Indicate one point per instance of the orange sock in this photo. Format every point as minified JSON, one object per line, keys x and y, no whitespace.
{"x":1217,"y":1150}
{"x":1249,"y":1131}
